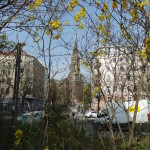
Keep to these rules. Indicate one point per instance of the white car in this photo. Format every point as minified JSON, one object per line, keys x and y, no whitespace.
{"x":91,"y":114}
{"x":74,"y":109}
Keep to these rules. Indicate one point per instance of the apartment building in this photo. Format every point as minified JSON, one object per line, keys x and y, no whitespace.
{"x":118,"y":70}
{"x":32,"y":77}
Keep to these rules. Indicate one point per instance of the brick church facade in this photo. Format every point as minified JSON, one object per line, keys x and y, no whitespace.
{"x":75,"y":78}
{"x":70,"y":90}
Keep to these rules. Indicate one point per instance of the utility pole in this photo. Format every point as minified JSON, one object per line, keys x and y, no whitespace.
{"x":17,"y":78}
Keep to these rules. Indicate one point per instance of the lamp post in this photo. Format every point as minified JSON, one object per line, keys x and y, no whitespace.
{"x":83,"y":82}
{"x":98,"y":94}
{"x":83,"y":97}
{"x":86,"y":93}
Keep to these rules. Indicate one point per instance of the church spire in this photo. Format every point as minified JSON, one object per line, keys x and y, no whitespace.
{"x":75,"y":49}
{"x":75,"y":60}
{"x":75,"y":77}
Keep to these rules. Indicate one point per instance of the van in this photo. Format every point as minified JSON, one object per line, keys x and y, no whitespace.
{"x":122,"y":110}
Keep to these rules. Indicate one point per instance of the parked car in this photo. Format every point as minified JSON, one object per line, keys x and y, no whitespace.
{"x":102,"y":117}
{"x":74,"y":109}
{"x":92,"y":114}
{"x":35,"y":116}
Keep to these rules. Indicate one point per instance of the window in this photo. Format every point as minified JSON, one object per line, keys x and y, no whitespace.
{"x":9,"y":71}
{"x":114,"y":59}
{"x":3,"y":80}
{"x":148,"y":68}
{"x":140,"y":59}
{"x":144,"y":89}
{"x":106,"y":52}
{"x":108,"y":88}
{"x":128,"y":51}
{"x":129,"y":99}
{"x":3,"y":71}
{"x":122,"y":78}
{"x":75,"y":67}
{"x":108,"y":68}
{"x":7,"y":91}
{"x":115,"y":51}
{"x":2,"y":91}
{"x":129,"y":88}
{"x":122,"y":68}
{"x":127,"y":68}
{"x":114,"y":68}
{"x":134,"y":68}
{"x":115,"y":88}
{"x":121,"y":58}
{"x":108,"y":78}
{"x":28,"y":70}
{"x":8,"y":80}
{"x":128,"y":77}
{"x":107,"y":60}
{"x":135,"y":87}
{"x":21,"y":70}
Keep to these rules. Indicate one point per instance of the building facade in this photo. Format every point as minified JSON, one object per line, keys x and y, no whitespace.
{"x":32,"y":76}
{"x":118,"y":71}
{"x":63,"y":91}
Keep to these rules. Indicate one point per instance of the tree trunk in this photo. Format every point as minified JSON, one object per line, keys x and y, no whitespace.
{"x":136,"y":107}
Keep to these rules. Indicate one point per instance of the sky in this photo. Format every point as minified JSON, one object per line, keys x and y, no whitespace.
{"x":60,"y":52}
{"x":61,"y":56}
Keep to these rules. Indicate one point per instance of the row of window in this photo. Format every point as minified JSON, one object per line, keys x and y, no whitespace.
{"x":9,"y":71}
{"x":3,"y":80}
{"x":116,"y":51}
{"x":4,"y":92}
{"x":129,"y":88}
{"x":123,"y":68}
{"x":4,"y":71}
{"x":107,"y":60}
{"x":122,"y":78}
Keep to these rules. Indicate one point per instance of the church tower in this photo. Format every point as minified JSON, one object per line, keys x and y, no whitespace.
{"x":75,"y":63}
{"x":75,"y":78}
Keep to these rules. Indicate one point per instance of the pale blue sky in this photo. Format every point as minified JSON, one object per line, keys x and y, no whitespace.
{"x":61,"y":57}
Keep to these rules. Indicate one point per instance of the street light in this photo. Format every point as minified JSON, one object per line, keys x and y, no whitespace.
{"x":86,"y":91}
{"x":83,"y":97}
{"x":98,"y":94}
{"x":83,"y":93}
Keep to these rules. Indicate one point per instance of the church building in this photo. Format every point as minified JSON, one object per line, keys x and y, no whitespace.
{"x":75,"y":78}
{"x":71,"y":88}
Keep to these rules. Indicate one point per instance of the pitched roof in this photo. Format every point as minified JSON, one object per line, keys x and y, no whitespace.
{"x":13,"y":53}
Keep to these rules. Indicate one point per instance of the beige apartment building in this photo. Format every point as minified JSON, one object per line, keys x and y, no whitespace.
{"x":32,"y":76}
{"x":118,"y":72}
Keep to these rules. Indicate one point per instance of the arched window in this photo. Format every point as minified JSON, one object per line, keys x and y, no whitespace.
{"x":75,"y":67}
